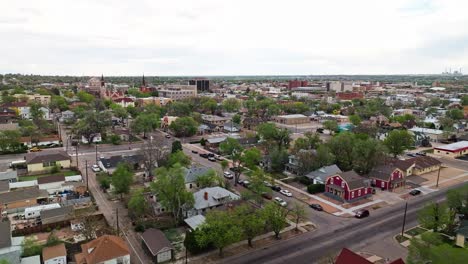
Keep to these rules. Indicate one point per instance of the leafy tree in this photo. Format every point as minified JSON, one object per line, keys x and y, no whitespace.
{"x":209,"y":179}
{"x":257,"y":179}
{"x":457,"y":200}
{"x":434,"y":216}
{"x":430,"y":248}
{"x":367,"y":154}
{"x":341,"y":146}
{"x":446,"y":123}
{"x":31,"y":247}
{"x":355,"y":119}
{"x":209,"y":105}
{"x":455,"y":114}
{"x":324,"y":157}
{"x":310,"y":141}
{"x":184,"y":127}
{"x":224,"y":164}
{"x":251,"y":222}
{"x":220,"y":229}
{"x":233,"y":148}
{"x":398,"y":141}
{"x":145,"y":123}
{"x":331,"y":125}
{"x":169,"y":188}
{"x":180,"y":109}
{"x":10,"y":141}
{"x":138,"y":204}
{"x":464,"y":100}
{"x":275,"y":216}
{"x":58,"y":102}
{"x":278,"y":158}
{"x":176,"y":146}
{"x":153,"y":152}
{"x":231,"y":105}
{"x":180,"y":158}
{"x":236,"y":119}
{"x":299,"y":213}
{"x":85,"y":97}
{"x":119,"y":112}
{"x":121,"y":179}
{"x":305,"y":161}
{"x":251,"y":157}
{"x":92,"y":123}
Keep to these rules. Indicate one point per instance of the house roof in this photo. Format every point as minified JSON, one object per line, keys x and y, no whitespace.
{"x":324,"y":172}
{"x":5,"y":238}
{"x":353,"y":179}
{"x":24,"y":194}
{"x":104,"y":248}
{"x":214,"y":194}
{"x":113,"y":161}
{"x":54,"y":252}
{"x":4,"y":186}
{"x":192,"y":173}
{"x":454,"y":147}
{"x":195,"y":221}
{"x":50,"y":179}
{"x":403,"y":165}
{"x":382,"y":172}
{"x":347,"y":256}
{"x":422,"y":162}
{"x":61,"y":211}
{"x":46,"y":156}
{"x":156,"y":241}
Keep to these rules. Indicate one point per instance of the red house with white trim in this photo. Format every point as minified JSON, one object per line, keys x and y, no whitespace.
{"x":347,"y":187}
{"x":387,"y":177}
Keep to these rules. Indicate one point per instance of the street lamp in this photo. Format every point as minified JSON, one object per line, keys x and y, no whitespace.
{"x":404,"y":219}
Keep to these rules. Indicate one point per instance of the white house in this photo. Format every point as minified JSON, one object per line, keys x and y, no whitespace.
{"x":55,"y":255}
{"x":96,"y":139}
{"x":125,"y":102}
{"x":209,"y":198}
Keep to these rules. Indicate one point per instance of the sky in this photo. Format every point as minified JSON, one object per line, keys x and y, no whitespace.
{"x":232,"y":37}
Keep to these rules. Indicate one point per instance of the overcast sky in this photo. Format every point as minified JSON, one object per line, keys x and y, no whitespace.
{"x":232,"y":37}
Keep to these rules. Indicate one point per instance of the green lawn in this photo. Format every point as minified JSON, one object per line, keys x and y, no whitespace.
{"x":401,"y":238}
{"x":415,"y":231}
{"x":34,"y":177}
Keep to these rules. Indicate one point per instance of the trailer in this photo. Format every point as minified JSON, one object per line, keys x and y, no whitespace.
{"x":35,"y":211}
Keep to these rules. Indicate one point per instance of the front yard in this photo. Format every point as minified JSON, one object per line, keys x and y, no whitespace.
{"x":35,"y":177}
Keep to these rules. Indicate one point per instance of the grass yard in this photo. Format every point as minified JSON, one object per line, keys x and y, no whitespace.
{"x":35,"y":177}
{"x":415,"y":231}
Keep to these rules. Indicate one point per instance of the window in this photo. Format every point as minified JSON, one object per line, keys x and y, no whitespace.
{"x":331,"y":180}
{"x":382,"y":184}
{"x":359,"y":192}
{"x":365,"y":190}
{"x":352,"y":194}
{"x":342,"y":184}
{"x":48,"y":164}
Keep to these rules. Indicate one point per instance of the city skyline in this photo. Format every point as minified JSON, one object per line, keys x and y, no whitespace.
{"x":216,"y":38}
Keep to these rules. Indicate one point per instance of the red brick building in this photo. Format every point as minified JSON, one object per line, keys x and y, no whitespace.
{"x":297,"y":83}
{"x":347,"y":187}
{"x":349,"y":96}
{"x":387,"y":177}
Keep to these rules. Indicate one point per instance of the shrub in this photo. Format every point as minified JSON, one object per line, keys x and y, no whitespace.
{"x":192,"y":245}
{"x":306,"y":181}
{"x":115,"y":139}
{"x":55,"y":169}
{"x":316,"y":188}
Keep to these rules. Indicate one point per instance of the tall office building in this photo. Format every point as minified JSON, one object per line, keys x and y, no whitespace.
{"x":203,"y":85}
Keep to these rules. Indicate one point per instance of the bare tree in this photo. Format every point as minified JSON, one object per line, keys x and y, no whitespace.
{"x":154,"y":151}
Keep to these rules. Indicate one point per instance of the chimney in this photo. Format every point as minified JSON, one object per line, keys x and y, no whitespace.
{"x":206,"y":196}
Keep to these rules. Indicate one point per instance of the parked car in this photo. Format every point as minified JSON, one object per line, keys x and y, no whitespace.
{"x":267,"y":184}
{"x":240,"y":181}
{"x":317,"y":207}
{"x":211,"y":159}
{"x":168,"y":136}
{"x":218,"y":157}
{"x":362,"y":213}
{"x":194,"y":152}
{"x":421,"y":153}
{"x":415,"y":192}
{"x":267,"y":196}
{"x":210,"y":155}
{"x":320,"y":130}
{"x":280,"y":202}
{"x":203,"y":155}
{"x":95,"y":168}
{"x":410,"y":154}
{"x":276,"y":188}
{"x":286,"y":192}
{"x":245,"y":184}
{"x":35,"y":149}
{"x":228,"y":175}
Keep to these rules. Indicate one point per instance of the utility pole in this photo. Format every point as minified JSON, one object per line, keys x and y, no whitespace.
{"x":76,"y":152}
{"x":87,"y":180}
{"x":404,"y":219}
{"x":96,"y":154}
{"x":438,"y":175}
{"x":117,"y":217}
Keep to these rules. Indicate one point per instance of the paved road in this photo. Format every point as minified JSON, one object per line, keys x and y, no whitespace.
{"x":310,"y":247}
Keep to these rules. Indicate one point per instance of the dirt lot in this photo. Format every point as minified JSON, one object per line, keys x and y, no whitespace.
{"x":448,"y":176}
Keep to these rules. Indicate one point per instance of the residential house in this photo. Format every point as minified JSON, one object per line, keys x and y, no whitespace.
{"x":15,"y":200}
{"x":209,"y":198}
{"x":420,"y":133}
{"x":38,"y":98}
{"x":55,"y":254}
{"x":110,"y":164}
{"x":96,"y":139}
{"x":293,"y":165}
{"x":216,"y":123}
{"x":320,"y":176}
{"x":125,"y":102}
{"x":231,"y":127}
{"x":454,"y":150}
{"x":10,"y":247}
{"x":9,"y":175}
{"x":31,"y":260}
{"x":45,"y":160}
{"x":67,"y":116}
{"x":461,"y":238}
{"x":157,"y":246}
{"x":7,"y":115}
{"x":192,"y":174}
{"x":104,"y":249}
{"x":51,"y":184}
{"x":347,"y":256}
{"x":42,"y":141}
{"x":195,"y":221}
{"x":387,"y":177}
{"x":347,"y":187}
{"x":425,"y":164}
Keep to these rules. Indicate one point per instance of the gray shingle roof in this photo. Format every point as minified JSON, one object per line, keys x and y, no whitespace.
{"x":195,"y":221}
{"x":46,"y":156}
{"x":25,"y":194}
{"x":215,"y":196}
{"x":324,"y":172}
{"x":51,"y":213}
{"x":353,"y":179}
{"x":192,"y":173}
{"x":156,"y":241}
{"x":4,"y":186}
{"x":382,"y":172}
{"x":113,"y":161}
{"x":5,"y":237}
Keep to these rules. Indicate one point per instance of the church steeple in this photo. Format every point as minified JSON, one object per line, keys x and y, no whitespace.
{"x":102,"y":80}
{"x":143,"y":82}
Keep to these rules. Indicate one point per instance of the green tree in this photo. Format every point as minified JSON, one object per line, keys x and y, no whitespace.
{"x":176,"y":146}
{"x":180,"y":158}
{"x":85,"y":97}
{"x":299,"y":213}
{"x":231,"y":105}
{"x":251,"y":222}
{"x":31,"y":247}
{"x":341,"y":146}
{"x":220,"y":229}
{"x":236,"y":119}
{"x":355,"y":119}
{"x":275,"y":216}
{"x":224,"y":164}
{"x":138,"y":204}
{"x":324,"y":157}
{"x":58,"y":102}
{"x":257,"y":178}
{"x":464,"y":100}
{"x":10,"y":141}
{"x":145,"y":123}
{"x":398,"y":141}
{"x":119,"y":112}
{"x":209,"y":179}
{"x":251,"y":157}
{"x":455,"y":114}
{"x":457,"y":200}
{"x":233,"y":148}
{"x":122,"y":178}
{"x":91,"y":124}
{"x":434,"y":216}
{"x":310,"y":141}
{"x":367,"y":154}
{"x":278,"y":159}
{"x":184,"y":127}
{"x":170,"y":190}
{"x":331,"y":125}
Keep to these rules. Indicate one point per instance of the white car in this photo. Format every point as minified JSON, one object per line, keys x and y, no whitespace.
{"x":286,"y":192}
{"x":218,"y":157}
{"x":96,"y":168}
{"x":280,"y":202}
{"x":228,"y":175}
